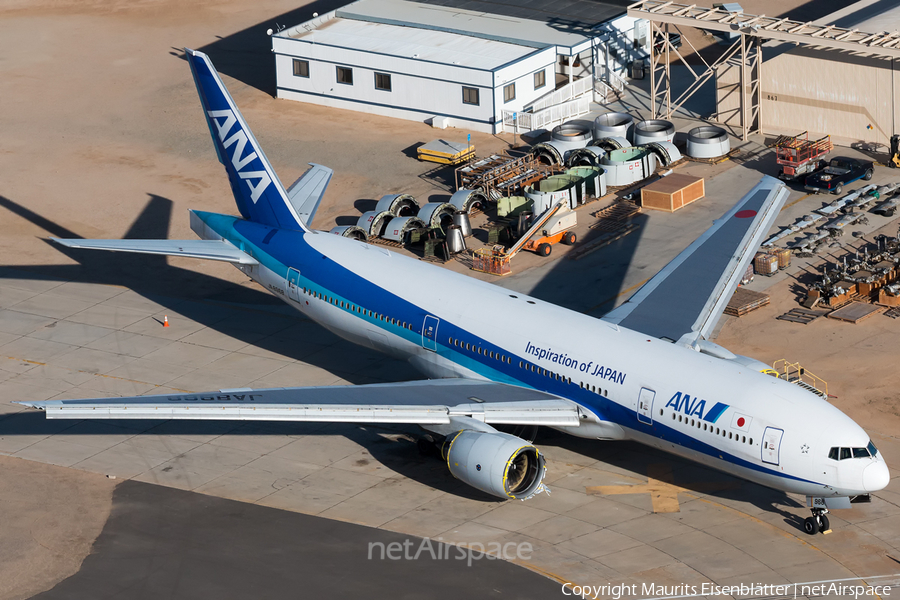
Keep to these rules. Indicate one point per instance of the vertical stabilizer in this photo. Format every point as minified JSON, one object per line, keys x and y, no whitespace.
{"x":259,"y":194}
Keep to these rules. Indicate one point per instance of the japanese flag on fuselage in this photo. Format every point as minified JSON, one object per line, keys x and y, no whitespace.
{"x":741,"y":422}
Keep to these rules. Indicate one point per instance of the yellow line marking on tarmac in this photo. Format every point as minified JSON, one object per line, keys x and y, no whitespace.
{"x":786,"y":206}
{"x":662,"y":488}
{"x":34,"y":362}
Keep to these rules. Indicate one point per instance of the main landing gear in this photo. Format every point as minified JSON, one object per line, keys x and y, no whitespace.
{"x":817,"y":522}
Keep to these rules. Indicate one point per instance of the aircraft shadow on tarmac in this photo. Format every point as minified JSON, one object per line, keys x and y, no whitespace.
{"x":566,"y":283}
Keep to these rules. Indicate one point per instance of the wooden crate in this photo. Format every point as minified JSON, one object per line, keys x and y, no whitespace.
{"x":672,"y":192}
{"x":765,"y":264}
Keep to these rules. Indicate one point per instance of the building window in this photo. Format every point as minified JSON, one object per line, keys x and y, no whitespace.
{"x":509,"y":92}
{"x":301,"y":68}
{"x":383,"y":82}
{"x":540,"y":79}
{"x":470,"y":96}
{"x":345,"y":75}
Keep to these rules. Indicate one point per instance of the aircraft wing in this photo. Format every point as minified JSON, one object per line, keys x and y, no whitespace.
{"x":415,"y":402}
{"x":684,"y":301}
{"x":306,"y":193}
{"x":208,"y":249}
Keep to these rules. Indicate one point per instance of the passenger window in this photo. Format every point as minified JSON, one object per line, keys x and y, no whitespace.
{"x":845,"y":453}
{"x":751,"y":441}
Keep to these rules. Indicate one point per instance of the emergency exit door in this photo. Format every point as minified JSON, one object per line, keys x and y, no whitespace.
{"x":771,"y":446}
{"x":645,"y":406}
{"x":429,"y":333}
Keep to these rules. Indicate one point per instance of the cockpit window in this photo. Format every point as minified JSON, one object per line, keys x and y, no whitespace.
{"x":845,"y":453}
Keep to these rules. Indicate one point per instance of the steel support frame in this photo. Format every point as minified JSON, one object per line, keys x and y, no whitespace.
{"x":747,"y":47}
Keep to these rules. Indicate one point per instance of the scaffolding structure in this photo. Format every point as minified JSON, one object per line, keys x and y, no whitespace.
{"x":753,"y":31}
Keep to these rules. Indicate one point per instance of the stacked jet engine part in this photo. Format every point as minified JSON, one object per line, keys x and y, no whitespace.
{"x":653,"y":130}
{"x":569,"y":186}
{"x":707,"y":141}
{"x":351,"y":231}
{"x":374,"y":222}
{"x":666,"y":152}
{"x":564,"y":139}
{"x":461,"y":220}
{"x":399,"y":205}
{"x":614,"y":125}
{"x":456,"y":241}
{"x":629,"y":165}
{"x":468,"y":200}
{"x":398,"y":228}
{"x":437,"y":215}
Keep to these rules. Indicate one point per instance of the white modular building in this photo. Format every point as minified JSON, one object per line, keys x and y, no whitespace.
{"x":427,"y":62}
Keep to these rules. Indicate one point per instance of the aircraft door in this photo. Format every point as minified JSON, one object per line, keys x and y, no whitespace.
{"x":645,"y":406}
{"x":292,"y":283}
{"x":429,"y":333}
{"x":771,"y":446}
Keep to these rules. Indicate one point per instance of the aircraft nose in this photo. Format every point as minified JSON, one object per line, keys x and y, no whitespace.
{"x":876,"y":477}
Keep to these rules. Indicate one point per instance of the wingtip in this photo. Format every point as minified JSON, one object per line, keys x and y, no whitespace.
{"x":28,"y":404}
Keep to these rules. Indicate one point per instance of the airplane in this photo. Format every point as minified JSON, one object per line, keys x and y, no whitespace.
{"x":503,"y":363}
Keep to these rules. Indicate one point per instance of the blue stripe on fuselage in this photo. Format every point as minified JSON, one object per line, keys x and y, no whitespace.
{"x":322,"y":274}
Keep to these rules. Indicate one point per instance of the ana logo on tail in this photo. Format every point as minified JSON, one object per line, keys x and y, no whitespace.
{"x":238,"y":160}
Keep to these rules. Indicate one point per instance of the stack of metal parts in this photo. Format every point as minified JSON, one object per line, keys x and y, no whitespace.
{"x":833,"y":218}
{"x":870,"y":274}
{"x":501,"y":175}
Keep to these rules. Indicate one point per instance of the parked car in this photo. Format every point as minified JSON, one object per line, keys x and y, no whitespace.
{"x":839,"y":172}
{"x":659,"y":42}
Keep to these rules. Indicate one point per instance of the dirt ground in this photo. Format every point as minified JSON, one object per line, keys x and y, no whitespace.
{"x":51,"y":517}
{"x":99,"y":116}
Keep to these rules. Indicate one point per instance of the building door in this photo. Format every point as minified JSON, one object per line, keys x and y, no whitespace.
{"x":429,"y":333}
{"x":771,"y":446}
{"x":645,"y":406}
{"x":292,"y":283}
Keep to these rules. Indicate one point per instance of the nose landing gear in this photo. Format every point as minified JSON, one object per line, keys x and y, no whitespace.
{"x":817,"y":522}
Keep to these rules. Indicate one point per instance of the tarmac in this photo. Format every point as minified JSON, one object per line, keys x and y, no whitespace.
{"x":100,"y":148}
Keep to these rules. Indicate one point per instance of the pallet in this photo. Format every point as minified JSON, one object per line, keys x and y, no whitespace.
{"x":744,"y":301}
{"x":855,"y":312}
{"x":892,"y":312}
{"x":714,"y":161}
{"x":612,"y":217}
{"x":385,"y":242}
{"x":802,"y":315}
{"x":606,"y":238}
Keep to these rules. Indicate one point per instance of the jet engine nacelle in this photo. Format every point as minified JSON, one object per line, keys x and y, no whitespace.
{"x":496,"y":463}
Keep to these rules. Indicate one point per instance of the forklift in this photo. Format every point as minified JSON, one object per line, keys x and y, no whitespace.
{"x":894,"y":156}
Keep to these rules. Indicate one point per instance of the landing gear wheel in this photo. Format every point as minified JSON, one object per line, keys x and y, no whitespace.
{"x":569,"y":238}
{"x":868,"y":175}
{"x":824,"y":525}
{"x":544,"y":249}
{"x":811,"y":525}
{"x":837,"y":191}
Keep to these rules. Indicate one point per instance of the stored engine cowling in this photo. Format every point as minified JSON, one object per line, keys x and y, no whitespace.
{"x":496,"y":463}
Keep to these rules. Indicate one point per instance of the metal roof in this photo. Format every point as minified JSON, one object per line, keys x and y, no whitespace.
{"x":479,"y":20}
{"x":411,"y":42}
{"x":772,"y":28}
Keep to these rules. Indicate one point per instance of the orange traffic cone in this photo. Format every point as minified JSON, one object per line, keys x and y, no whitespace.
{"x":166,"y":321}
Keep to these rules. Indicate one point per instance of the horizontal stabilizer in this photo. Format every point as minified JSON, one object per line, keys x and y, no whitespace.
{"x":429,"y":402}
{"x":206,"y":249}
{"x":306,"y":193}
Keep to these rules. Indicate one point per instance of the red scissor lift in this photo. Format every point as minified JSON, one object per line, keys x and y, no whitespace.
{"x":798,"y":155}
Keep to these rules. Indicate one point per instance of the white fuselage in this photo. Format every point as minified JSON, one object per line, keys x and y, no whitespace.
{"x":711,"y":410}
